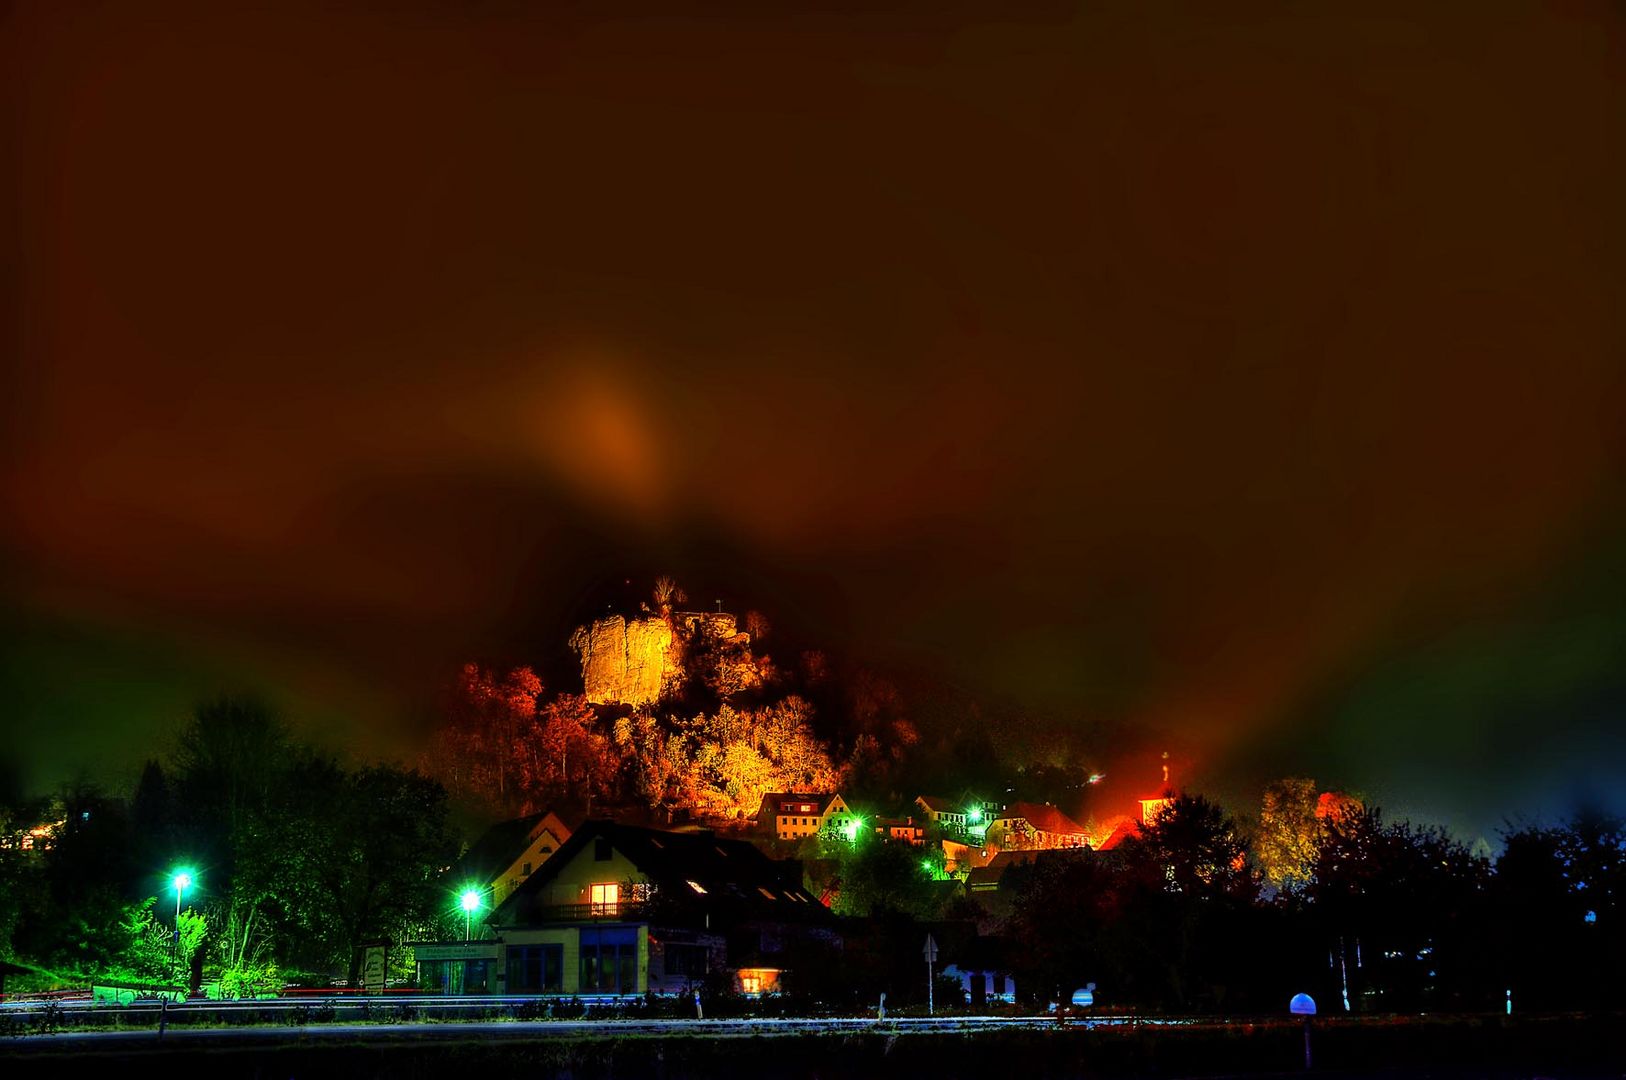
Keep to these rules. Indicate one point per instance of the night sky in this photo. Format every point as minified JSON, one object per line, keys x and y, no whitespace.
{"x":1248,"y":384}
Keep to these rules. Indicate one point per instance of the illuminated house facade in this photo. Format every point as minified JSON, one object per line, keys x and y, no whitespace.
{"x":622,"y":909}
{"x":1035,"y":826}
{"x":960,"y":859}
{"x":508,"y":853}
{"x":942,"y":812}
{"x":904,"y":830}
{"x":1152,"y":809}
{"x":796,"y":816}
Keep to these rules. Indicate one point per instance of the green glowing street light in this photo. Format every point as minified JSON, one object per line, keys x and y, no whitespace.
{"x":974,"y":814}
{"x":471,"y":903}
{"x":180,"y":880}
{"x":850,"y":830}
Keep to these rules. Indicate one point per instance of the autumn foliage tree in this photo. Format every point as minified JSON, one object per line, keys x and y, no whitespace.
{"x":726,"y":761}
{"x":1290,"y":834}
{"x":513,"y":750}
{"x":507,"y":747}
{"x":483,"y":752}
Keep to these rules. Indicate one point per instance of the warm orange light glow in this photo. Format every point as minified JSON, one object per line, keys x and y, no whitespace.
{"x":759,"y":980}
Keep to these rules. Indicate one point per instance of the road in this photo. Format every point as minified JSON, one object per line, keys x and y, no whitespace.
{"x":458,"y":1018}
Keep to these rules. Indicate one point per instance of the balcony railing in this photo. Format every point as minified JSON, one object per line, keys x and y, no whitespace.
{"x":620,"y":911}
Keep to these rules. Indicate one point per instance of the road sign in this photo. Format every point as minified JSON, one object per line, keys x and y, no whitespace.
{"x":373,"y":967}
{"x":930,"y":951}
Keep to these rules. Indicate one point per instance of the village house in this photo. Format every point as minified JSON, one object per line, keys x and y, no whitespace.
{"x":1152,"y":808}
{"x":508,"y":853}
{"x":796,"y":816}
{"x":960,"y":859}
{"x":942,"y":813}
{"x":1035,"y":826}
{"x":991,"y":874}
{"x":903,"y":830}
{"x":622,"y":909}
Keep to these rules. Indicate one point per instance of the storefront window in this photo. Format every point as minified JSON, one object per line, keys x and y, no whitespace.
{"x":536,"y":969}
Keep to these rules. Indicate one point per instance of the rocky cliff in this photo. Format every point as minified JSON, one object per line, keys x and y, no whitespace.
{"x":638,"y":661}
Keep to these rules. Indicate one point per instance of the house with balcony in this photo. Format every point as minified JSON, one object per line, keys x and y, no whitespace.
{"x":622,"y":909}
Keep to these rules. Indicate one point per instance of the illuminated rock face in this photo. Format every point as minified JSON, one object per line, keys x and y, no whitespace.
{"x":638,"y":661}
{"x":625,"y":663}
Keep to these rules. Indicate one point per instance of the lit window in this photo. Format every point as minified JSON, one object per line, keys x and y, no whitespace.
{"x":605,"y":898}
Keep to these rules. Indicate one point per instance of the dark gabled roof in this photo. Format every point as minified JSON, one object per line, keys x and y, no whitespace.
{"x":989,"y":877}
{"x":939,"y":805}
{"x":497,"y":848}
{"x":992,"y":876}
{"x":734,"y":874}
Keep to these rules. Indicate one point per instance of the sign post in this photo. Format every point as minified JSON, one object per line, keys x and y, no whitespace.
{"x":374,"y":966}
{"x":1303,"y":1005}
{"x":930,"y":952}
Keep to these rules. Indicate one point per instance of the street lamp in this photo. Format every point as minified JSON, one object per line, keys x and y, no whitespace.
{"x":471,"y":903}
{"x":181,"y":880}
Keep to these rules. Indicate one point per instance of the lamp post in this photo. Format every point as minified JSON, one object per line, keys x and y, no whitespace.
{"x":1303,"y":1005}
{"x":471,"y":903}
{"x":181,"y":880}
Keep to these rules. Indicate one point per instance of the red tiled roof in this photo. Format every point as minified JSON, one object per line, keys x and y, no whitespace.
{"x":1043,"y":817}
{"x":1117,"y":830}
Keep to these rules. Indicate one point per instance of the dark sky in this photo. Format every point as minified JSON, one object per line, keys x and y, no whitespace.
{"x":1253,"y":380}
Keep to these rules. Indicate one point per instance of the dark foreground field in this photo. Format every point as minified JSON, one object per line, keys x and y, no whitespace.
{"x":1568,"y":1046}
